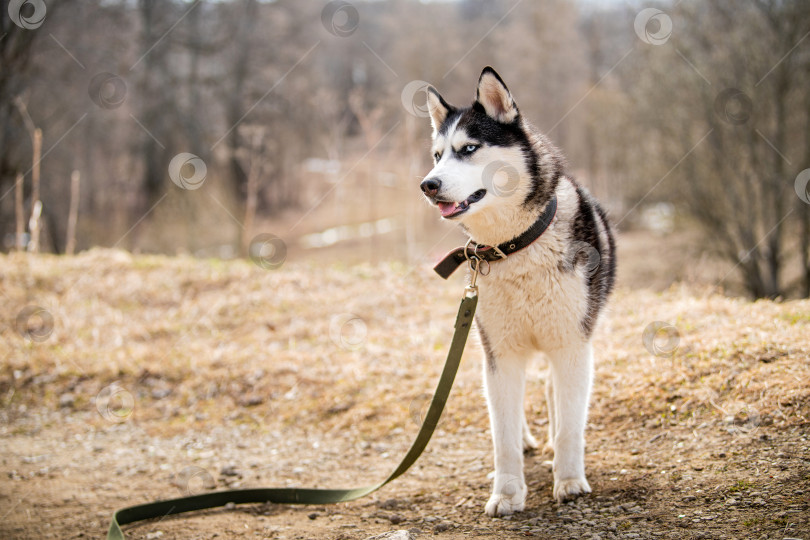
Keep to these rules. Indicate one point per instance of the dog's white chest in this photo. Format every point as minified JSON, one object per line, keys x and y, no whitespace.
{"x":529,"y":303}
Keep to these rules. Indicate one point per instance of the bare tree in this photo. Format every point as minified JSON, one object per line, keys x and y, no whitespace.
{"x":722,"y":116}
{"x":36,"y":152}
{"x":256,"y":161}
{"x":239,"y":75}
{"x":803,"y":210}
{"x":19,"y":212}
{"x":73,"y":215}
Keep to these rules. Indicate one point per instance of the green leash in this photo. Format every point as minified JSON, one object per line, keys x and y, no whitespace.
{"x":322,"y":496}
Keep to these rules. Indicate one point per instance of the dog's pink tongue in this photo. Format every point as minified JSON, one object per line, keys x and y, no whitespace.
{"x":447,"y":208}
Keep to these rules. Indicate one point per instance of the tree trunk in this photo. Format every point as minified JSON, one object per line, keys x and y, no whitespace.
{"x":250,"y":205}
{"x":35,"y":223}
{"x":803,"y":208}
{"x":235,"y":109}
{"x":151,"y":114}
{"x":19,"y":211}
{"x":73,"y":214}
{"x":777,"y":185}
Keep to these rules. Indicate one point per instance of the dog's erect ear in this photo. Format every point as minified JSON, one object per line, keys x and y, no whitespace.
{"x":437,"y":107}
{"x":495,"y":97}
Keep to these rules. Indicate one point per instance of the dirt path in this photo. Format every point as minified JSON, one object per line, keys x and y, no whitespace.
{"x":167,"y":376}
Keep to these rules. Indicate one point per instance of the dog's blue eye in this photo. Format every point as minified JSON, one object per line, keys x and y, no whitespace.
{"x":469,"y":149}
{"x":437,"y":156}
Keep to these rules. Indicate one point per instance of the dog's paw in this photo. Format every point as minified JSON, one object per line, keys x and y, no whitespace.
{"x":501,"y":504}
{"x":529,"y":442}
{"x":569,"y":488}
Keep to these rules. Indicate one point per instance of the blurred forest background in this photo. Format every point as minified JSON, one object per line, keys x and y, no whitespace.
{"x":194,"y":126}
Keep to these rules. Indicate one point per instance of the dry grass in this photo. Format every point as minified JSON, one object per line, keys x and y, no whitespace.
{"x":343,"y":357}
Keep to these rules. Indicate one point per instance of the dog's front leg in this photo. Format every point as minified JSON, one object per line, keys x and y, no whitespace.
{"x":504,"y":378}
{"x":572,"y":373}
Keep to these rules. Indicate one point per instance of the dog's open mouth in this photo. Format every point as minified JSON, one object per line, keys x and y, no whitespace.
{"x":453,"y":209}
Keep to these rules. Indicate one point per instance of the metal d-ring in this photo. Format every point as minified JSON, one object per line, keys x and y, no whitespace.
{"x":467,"y":245}
{"x":475,"y":259}
{"x":483,"y":273}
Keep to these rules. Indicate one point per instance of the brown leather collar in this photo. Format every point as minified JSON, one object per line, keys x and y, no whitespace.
{"x":456,"y":258}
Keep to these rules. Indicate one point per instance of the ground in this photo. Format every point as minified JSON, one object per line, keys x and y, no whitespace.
{"x":151,"y":377}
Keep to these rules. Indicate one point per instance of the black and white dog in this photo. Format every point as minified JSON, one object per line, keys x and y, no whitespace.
{"x":552,"y":267}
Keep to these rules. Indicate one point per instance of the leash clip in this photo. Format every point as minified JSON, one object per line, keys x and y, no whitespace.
{"x":475,"y":261}
{"x":478,"y":259}
{"x":475,"y":270}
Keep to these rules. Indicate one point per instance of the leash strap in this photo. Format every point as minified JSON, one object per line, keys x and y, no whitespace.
{"x":216,"y":499}
{"x":456,"y":258}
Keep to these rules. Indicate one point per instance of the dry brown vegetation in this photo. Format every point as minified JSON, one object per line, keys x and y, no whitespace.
{"x":314,"y":375}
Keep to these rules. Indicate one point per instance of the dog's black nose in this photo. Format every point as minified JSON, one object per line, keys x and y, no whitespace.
{"x":430,"y":186}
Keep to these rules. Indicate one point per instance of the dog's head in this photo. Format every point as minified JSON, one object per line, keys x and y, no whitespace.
{"x":482,"y":154}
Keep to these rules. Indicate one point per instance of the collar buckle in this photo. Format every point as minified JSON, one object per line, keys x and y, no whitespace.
{"x":501,"y":254}
{"x":495,"y":249}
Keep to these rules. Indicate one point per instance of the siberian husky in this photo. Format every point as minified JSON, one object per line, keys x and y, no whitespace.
{"x":551,"y":259}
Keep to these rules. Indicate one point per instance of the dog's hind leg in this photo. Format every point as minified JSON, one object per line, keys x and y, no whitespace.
{"x":529,"y":442}
{"x":552,"y":417}
{"x":572,"y":374}
{"x":504,"y":378}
